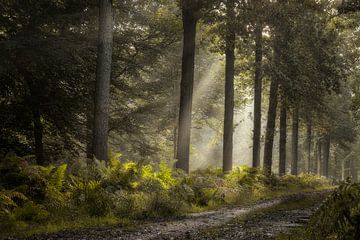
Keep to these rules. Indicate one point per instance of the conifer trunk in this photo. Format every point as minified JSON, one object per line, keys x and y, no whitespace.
{"x":257,"y":95}
{"x":229,"y":89}
{"x":295,"y":142}
{"x":308,"y":143}
{"x":283,"y":137}
{"x":186,"y":88}
{"x":102,"y":87}
{"x":38,"y":136}
{"x":271,"y":116}
{"x":326,"y":155}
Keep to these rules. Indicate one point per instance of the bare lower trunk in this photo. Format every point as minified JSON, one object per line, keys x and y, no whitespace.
{"x":270,"y":127}
{"x":257,"y":96}
{"x":354,"y":172}
{"x":319,"y":157}
{"x":229,"y":90}
{"x":295,"y":142}
{"x":326,"y":155}
{"x":102,"y":88}
{"x":89,"y":125}
{"x":308,"y":143}
{"x":38,"y":136}
{"x":283,"y":137}
{"x":273,"y":101}
{"x":186,"y":90}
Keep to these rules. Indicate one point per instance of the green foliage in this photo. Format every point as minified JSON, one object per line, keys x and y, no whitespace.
{"x":130,"y":190}
{"x":339,"y":216}
{"x":89,"y":196}
{"x":304,"y":181}
{"x":205,"y":185}
{"x":8,"y":202}
{"x":31,"y":212}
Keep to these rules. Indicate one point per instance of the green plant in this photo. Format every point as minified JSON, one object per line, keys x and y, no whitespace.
{"x":339,"y":216}
{"x":89,"y":196}
{"x":31,"y":212}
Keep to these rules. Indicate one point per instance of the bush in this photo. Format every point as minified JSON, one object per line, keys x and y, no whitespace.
{"x":339,"y":216}
{"x":126,"y":190}
{"x":89,"y":196}
{"x":205,"y":186}
{"x":31,"y":212}
{"x":304,"y":181}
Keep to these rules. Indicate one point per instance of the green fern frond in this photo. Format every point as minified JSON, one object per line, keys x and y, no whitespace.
{"x":58,"y":178}
{"x":44,"y":171}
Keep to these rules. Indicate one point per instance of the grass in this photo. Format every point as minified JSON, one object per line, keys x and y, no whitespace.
{"x":66,"y":225}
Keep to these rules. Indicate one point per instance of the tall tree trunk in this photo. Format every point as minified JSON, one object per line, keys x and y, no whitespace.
{"x":326,"y":155}
{"x":295,"y":142}
{"x":229,"y":89}
{"x":38,"y":136}
{"x":319,"y":157}
{"x":308,"y":143}
{"x":186,"y":88}
{"x":343,"y":161}
{"x":257,"y":95}
{"x":175,"y":139}
{"x":102,"y":87}
{"x":273,"y":101}
{"x":270,"y":126}
{"x":89,"y":135}
{"x":354,"y":171}
{"x":283,"y":137}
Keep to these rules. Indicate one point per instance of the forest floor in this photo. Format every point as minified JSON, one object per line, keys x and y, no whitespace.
{"x":259,"y":221}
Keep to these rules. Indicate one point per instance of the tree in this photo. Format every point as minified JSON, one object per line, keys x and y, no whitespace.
{"x":283,"y":136}
{"x":273,"y":102}
{"x":309,"y":137}
{"x":190,"y":16}
{"x":103,"y":72}
{"x":229,"y":88}
{"x":295,"y":141}
{"x":43,"y":78}
{"x":257,"y":94}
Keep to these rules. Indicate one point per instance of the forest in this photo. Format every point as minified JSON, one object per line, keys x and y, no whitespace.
{"x":180,"y":119}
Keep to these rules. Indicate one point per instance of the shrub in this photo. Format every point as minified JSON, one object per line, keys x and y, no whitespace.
{"x":134,"y":205}
{"x":89,"y":196}
{"x":205,"y":187}
{"x":339,"y":216}
{"x":31,"y":212}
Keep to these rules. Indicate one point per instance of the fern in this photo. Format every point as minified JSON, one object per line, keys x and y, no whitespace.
{"x":7,"y":202}
{"x":57,"y":179}
{"x":44,"y":171}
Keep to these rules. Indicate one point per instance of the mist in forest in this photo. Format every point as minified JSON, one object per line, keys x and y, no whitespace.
{"x":206,"y":141}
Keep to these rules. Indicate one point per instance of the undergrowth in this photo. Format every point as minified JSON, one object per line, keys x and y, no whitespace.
{"x":38,"y":199}
{"x":338,"y":218}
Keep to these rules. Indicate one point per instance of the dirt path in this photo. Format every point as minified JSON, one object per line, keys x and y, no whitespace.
{"x":219,"y":224}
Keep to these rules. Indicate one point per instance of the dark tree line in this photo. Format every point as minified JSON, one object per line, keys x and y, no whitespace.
{"x":86,"y":77}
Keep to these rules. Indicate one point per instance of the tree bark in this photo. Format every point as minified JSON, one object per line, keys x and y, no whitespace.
{"x":295,"y":142}
{"x":308,"y":143}
{"x":229,"y":89}
{"x":103,"y":73}
{"x":319,"y":157}
{"x":257,"y":95}
{"x":283,"y":137}
{"x":354,"y":171}
{"x":270,"y":126}
{"x":271,"y":117}
{"x":186,"y":88}
{"x":326,"y":155}
{"x":38,"y":136}
{"x":89,"y":135}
